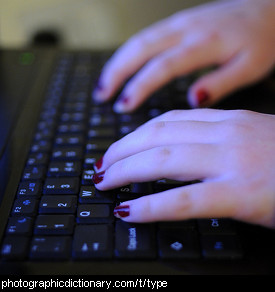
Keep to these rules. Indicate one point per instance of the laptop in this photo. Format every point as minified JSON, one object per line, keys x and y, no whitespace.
{"x":52,"y":219}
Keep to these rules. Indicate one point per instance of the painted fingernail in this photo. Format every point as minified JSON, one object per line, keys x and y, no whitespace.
{"x":98,"y":90}
{"x":202,"y":97}
{"x":99,"y":162}
{"x":122,"y":211}
{"x":121,"y":103}
{"x":98,"y":177}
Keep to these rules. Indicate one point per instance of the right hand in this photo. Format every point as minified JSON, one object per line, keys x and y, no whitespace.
{"x":236,"y":35}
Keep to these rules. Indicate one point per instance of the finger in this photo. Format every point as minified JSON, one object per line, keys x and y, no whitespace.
{"x":201,"y":200}
{"x":197,"y":114}
{"x":179,"y":162}
{"x":162,"y":134}
{"x":221,"y":82}
{"x":164,"y":67}
{"x":134,"y":54}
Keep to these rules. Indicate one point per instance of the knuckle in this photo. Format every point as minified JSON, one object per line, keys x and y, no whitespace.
{"x":163,"y":155}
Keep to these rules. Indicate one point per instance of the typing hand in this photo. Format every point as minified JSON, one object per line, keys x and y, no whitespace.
{"x":237,"y":37}
{"x":230,"y":152}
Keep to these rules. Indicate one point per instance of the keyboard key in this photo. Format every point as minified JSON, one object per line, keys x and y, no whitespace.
{"x":41,"y":146}
{"x":67,"y":153}
{"x":91,"y":158}
{"x":102,"y":132}
{"x":97,"y":144}
{"x":94,"y":213}
{"x":87,"y":177}
{"x":89,"y":194}
{"x":19,"y":226}
{"x":178,"y":243}
{"x":15,"y":247}
{"x":61,"y":186}
{"x":221,"y":247}
{"x":93,"y":241}
{"x":24,"y":206}
{"x":30,"y":188}
{"x":67,"y":140}
{"x":54,"y":224}
{"x":134,"y":240}
{"x":216,"y":226}
{"x":58,"y":204}
{"x":34,"y":173}
{"x":50,"y":247}
{"x":39,"y":158}
{"x":64,"y":168}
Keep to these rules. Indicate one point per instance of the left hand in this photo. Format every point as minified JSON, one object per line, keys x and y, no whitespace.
{"x":230,"y":152}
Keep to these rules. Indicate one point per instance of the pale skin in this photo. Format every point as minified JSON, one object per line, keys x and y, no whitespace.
{"x":230,"y":152}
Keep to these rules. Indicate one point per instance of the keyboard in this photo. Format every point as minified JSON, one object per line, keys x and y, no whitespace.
{"x":59,"y":216}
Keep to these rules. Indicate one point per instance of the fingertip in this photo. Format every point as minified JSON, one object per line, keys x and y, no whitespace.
{"x":199,"y":97}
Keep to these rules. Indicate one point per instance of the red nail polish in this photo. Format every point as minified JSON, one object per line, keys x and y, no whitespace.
{"x":98,"y":164}
{"x":98,"y":85}
{"x":202,"y":96}
{"x":122,"y":211}
{"x":123,"y":99}
{"x":98,"y":177}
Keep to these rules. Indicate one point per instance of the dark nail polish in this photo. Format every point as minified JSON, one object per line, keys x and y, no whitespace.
{"x":98,"y":164}
{"x":123,"y":99}
{"x":98,"y":177}
{"x":202,"y":97}
{"x":122,"y":211}
{"x":98,"y":85}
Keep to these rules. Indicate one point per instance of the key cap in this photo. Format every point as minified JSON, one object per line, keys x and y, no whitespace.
{"x":92,"y":241}
{"x":87,"y":177}
{"x":34,"y":173}
{"x":30,"y":188}
{"x":58,"y":204}
{"x":94,"y":213}
{"x":67,"y":153}
{"x":91,"y":158}
{"x":102,"y":120}
{"x":39,"y":158}
{"x":101,"y":132}
{"x":95,"y":145}
{"x":61,"y":186}
{"x":54,"y":224}
{"x":67,"y":140}
{"x":50,"y":247}
{"x":216,"y":226}
{"x":178,"y":243}
{"x":89,"y":194}
{"x":71,"y":128}
{"x":15,"y":247}
{"x":64,"y":168}
{"x":221,"y":247}
{"x":24,"y":206}
{"x":19,"y":226}
{"x":41,"y":146}
{"x":134,"y":240}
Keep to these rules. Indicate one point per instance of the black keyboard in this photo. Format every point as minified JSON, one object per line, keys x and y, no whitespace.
{"x":58,"y":214}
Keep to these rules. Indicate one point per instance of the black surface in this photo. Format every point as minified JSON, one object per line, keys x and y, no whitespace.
{"x":23,"y":100}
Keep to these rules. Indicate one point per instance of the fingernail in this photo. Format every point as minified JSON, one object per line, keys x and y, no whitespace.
{"x":121,"y":103}
{"x":202,"y":97}
{"x":99,"y":162}
{"x":98,"y":177}
{"x":122,"y":211}
{"x":98,"y":90}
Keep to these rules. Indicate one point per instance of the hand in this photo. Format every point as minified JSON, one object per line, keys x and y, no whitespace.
{"x":230,"y":152}
{"x":237,"y":36}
